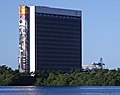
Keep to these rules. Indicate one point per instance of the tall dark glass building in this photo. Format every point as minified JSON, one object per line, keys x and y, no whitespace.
{"x":55,"y":39}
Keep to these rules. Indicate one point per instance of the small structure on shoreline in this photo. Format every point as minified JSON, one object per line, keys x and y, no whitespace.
{"x":94,"y":65}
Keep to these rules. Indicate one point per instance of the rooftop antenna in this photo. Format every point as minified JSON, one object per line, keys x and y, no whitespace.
{"x":23,"y":1}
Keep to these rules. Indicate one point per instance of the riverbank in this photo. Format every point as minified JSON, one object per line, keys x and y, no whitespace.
{"x":105,"y":77}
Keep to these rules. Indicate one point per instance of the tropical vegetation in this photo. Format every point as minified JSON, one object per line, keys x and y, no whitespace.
{"x":103,"y":77}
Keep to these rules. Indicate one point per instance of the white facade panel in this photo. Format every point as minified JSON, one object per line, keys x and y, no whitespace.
{"x":32,"y":38}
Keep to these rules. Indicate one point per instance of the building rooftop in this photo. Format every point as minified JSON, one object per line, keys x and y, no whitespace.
{"x":49,"y":10}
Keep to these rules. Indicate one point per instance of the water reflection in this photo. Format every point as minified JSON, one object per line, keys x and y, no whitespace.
{"x":18,"y":90}
{"x":80,"y":90}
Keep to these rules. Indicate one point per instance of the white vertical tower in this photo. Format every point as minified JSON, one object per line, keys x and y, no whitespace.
{"x":32,"y":38}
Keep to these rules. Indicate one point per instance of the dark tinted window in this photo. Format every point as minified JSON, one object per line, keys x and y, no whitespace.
{"x":58,"y":42}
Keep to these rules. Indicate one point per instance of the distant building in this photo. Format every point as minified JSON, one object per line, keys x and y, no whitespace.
{"x":49,"y":38}
{"x":94,"y":65}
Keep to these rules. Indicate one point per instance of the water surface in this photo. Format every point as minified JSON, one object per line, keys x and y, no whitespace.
{"x":79,"y":90}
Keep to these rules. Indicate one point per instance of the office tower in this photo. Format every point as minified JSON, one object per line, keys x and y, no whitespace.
{"x":50,"y":39}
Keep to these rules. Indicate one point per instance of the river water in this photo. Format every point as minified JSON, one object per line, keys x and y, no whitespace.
{"x":78,"y":90}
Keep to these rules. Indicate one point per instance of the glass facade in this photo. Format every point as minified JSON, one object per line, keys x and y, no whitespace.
{"x":58,"y":42}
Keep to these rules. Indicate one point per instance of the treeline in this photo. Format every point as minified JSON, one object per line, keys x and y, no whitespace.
{"x":105,"y":77}
{"x":9,"y":77}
